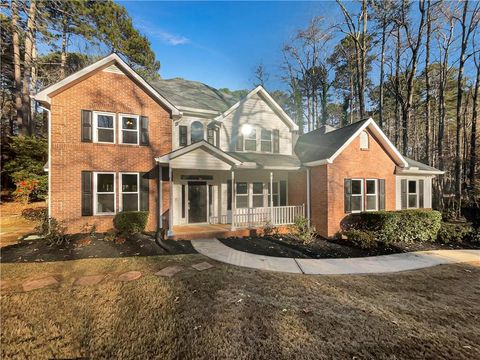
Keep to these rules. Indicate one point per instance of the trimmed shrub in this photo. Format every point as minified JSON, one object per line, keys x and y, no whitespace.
{"x":454,"y":233}
{"x":303,"y":231}
{"x":406,"y":226}
{"x":53,"y":231}
{"x":362,"y":239}
{"x":131,"y":222}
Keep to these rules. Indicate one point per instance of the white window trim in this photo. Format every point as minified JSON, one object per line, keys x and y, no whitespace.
{"x":364,"y":134}
{"x":375,"y":194}
{"x":95,"y":126}
{"x":95,"y":193}
{"x":277,"y":194}
{"x":271,"y":141}
{"x":245,"y":139}
{"x":361,"y":195}
{"x":262,"y":194}
{"x":416,"y":193}
{"x":121,"y":129}
{"x":189,"y":132}
{"x":121,"y":192}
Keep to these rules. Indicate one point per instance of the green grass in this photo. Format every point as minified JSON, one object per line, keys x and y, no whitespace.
{"x":234,"y":313}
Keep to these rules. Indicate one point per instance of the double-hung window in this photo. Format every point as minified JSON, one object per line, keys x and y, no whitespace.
{"x":103,"y":127}
{"x":104,"y":197}
{"x":412,"y":193}
{"x":356,"y":200}
{"x":130,"y":194}
{"x":371,"y":195}
{"x":242,"y":195}
{"x":266,"y":141}
{"x":257,"y":194}
{"x":129,"y":129}
{"x":251,"y":141}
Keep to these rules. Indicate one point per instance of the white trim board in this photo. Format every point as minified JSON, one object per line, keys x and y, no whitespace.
{"x":43,"y":96}
{"x":269,"y":100}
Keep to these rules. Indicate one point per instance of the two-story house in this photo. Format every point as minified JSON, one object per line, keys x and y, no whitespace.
{"x":198,"y":159}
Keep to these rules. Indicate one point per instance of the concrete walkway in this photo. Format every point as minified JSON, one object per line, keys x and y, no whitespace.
{"x":216,"y":250}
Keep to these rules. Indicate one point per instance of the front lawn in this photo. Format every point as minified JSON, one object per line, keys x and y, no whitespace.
{"x":234,"y":313}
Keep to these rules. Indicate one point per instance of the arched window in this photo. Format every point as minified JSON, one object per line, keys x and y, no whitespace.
{"x":196,"y":132}
{"x":363,"y":140}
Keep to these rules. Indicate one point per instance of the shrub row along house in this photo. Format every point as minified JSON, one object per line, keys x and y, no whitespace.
{"x":198,"y":160}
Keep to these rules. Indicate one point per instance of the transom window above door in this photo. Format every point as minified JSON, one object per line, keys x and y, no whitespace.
{"x":104,"y":127}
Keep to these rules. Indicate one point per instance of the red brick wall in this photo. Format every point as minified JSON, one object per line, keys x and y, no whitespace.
{"x":297,"y":187}
{"x":373,"y":163}
{"x":103,"y":91}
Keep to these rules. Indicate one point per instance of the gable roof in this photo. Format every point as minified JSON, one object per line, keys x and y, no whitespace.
{"x":215,"y":151}
{"x":319,"y":147}
{"x":418,"y":168}
{"x":194,"y":95}
{"x":43,"y":96}
{"x":270,"y":102}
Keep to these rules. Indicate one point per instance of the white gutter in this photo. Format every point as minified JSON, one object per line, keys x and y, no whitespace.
{"x":49,"y":160}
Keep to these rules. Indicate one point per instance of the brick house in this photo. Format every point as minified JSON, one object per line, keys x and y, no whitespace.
{"x":201,"y":161}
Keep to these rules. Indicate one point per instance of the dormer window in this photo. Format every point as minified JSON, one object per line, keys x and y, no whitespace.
{"x":364,"y":140}
{"x":197,"y":132}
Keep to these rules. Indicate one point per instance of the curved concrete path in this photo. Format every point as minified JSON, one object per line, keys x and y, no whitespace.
{"x":216,"y":250}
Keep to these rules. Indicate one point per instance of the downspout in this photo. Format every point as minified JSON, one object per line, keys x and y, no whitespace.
{"x":308,"y":196}
{"x":49,"y":161}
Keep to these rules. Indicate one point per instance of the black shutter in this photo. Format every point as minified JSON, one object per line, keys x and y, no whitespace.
{"x":347,"y":184}
{"x":283,"y":193}
{"x":144,"y":136}
{"x":217,"y":137}
{"x":239,"y":145}
{"x":421,"y":185}
{"x":403,"y":183}
{"x":182,"y":133}
{"x":144,"y":191}
{"x":87,"y":193}
{"x":229,"y":194}
{"x":86,"y":116}
{"x":381,"y":194}
{"x":211,"y":136}
{"x":276,"y":141}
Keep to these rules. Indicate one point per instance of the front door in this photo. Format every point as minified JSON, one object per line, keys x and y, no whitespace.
{"x":197,"y":202}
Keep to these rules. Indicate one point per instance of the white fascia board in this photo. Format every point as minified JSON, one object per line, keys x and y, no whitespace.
{"x":190,"y":110}
{"x":377,"y":131}
{"x":281,"y":167}
{"x":43,"y":97}
{"x":417,"y":171}
{"x":201,"y":144}
{"x":270,"y":101}
{"x":318,"y":162}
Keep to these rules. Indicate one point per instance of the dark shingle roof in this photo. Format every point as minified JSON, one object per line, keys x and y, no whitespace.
{"x":274,"y":160}
{"x":421,"y":166}
{"x":320,"y":145}
{"x":193,"y":94}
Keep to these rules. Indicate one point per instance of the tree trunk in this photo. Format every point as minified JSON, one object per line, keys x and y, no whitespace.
{"x":397,"y":88}
{"x":427,"y":87}
{"x":473,"y":133}
{"x":27,"y":67}
{"x":16,"y":68}
{"x":63,"y":54}
{"x":382,"y":71}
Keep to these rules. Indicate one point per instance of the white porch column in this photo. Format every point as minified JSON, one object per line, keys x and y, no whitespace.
{"x":308,"y":195}
{"x":170,"y":209}
{"x":271,"y":198}
{"x":160,"y":197}
{"x":233,"y":201}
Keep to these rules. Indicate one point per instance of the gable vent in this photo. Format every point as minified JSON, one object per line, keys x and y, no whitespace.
{"x":114,"y":69}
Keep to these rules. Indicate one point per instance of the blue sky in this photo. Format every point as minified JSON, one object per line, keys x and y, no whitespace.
{"x":220,"y":43}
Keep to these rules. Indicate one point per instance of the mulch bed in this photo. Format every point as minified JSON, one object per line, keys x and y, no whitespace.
{"x":81,"y":248}
{"x":286,"y":246}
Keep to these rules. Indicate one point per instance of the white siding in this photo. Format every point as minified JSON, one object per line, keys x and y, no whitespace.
{"x":427,"y":190}
{"x":256,"y":112}
{"x":199,"y":159}
{"x":187,"y":121}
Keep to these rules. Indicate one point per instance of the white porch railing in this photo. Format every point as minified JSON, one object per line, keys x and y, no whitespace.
{"x":277,"y":215}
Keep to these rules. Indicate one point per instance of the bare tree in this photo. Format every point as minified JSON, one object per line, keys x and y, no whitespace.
{"x":260,"y":75}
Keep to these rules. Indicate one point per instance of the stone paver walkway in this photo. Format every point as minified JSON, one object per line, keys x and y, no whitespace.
{"x":202,"y":266}
{"x":169,"y":271}
{"x":39,"y":283}
{"x":216,"y":250}
{"x":130,"y":276}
